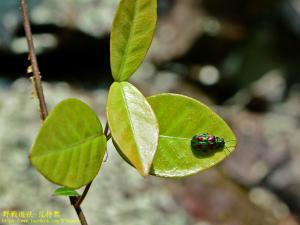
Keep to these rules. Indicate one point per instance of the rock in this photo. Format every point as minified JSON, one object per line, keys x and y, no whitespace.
{"x":209,"y":196}
{"x":180,"y":26}
{"x":268,"y":151}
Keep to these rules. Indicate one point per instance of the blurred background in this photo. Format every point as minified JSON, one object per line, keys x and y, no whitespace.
{"x":242,"y":58}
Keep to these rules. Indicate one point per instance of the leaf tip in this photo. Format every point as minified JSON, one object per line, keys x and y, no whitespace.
{"x":144,"y":173}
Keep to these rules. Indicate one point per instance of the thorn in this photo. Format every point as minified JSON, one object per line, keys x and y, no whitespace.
{"x":29,"y":69}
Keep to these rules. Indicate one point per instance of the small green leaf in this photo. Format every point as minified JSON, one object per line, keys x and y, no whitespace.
{"x":131,"y":36}
{"x":180,"y":118}
{"x":64,"y":191}
{"x":133,"y":125}
{"x":70,"y":146}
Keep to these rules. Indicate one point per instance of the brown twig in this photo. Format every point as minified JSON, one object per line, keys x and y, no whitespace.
{"x":40,"y":94}
{"x":78,"y":210}
{"x":106,"y":129}
{"x":82,"y":197}
{"x":34,"y":64}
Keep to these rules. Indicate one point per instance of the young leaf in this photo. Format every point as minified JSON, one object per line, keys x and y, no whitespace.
{"x":63,"y":191}
{"x":133,"y":125}
{"x":131,"y":36}
{"x":180,"y":118}
{"x":70,"y":146}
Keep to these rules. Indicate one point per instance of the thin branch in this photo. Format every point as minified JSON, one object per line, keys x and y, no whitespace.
{"x":39,"y":89}
{"x":82,"y":197}
{"x":34,"y":64}
{"x":108,"y":136}
{"x":79,"y":211}
{"x":106,"y":129}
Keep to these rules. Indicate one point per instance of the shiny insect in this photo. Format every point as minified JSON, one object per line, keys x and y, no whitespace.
{"x":207,"y":142}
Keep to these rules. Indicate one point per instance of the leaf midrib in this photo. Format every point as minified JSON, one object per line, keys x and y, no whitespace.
{"x":130,"y":121}
{"x":173,"y":137}
{"x":59,"y":151}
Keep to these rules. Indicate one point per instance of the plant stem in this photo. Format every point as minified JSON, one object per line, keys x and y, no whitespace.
{"x":34,"y":64}
{"x":82,"y":197}
{"x":40,"y":93}
{"x":106,"y":129}
{"x":78,"y":210}
{"x":87,"y":187}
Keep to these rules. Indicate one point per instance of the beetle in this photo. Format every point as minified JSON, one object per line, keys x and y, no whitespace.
{"x":207,"y":142}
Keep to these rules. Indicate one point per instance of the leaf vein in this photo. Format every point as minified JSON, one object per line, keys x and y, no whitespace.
{"x":59,"y":151}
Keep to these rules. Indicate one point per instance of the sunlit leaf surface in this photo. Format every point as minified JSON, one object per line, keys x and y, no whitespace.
{"x":131,"y":36}
{"x":133,"y":125}
{"x":70,"y":146}
{"x":180,"y":118}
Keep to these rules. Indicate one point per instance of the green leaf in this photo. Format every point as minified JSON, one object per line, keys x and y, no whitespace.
{"x":133,"y":125}
{"x":70,"y":146}
{"x":180,"y":118}
{"x":63,"y":191}
{"x":131,"y":36}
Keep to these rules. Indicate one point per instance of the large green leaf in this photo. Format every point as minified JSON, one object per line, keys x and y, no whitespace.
{"x":133,"y":125}
{"x":131,"y":36}
{"x":70,"y":146}
{"x":180,"y":118}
